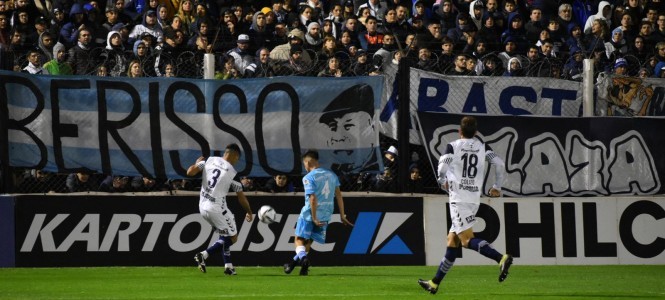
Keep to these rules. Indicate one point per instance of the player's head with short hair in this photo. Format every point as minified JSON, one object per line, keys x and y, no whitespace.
{"x":232,"y":153}
{"x":310,"y":160}
{"x":468,"y":127}
{"x":311,"y":153}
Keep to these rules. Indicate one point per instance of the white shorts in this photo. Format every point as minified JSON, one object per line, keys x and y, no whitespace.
{"x":222,"y":220}
{"x":463,"y":216}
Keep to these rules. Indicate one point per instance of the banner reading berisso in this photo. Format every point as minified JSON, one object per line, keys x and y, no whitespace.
{"x":563,"y":156}
{"x":159,"y":126}
{"x":165,"y":231}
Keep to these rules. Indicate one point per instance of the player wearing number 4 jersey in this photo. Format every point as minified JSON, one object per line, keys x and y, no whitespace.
{"x":321,"y":188}
{"x":216,"y":181}
{"x":461,"y":171}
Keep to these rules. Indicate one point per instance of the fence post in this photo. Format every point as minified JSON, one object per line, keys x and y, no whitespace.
{"x":403,"y":115}
{"x":6,"y":176}
{"x":208,"y":66}
{"x":587,"y":88}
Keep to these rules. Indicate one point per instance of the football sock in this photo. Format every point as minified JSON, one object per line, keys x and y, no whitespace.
{"x":485,"y":248}
{"x":226,"y":249}
{"x":215,"y":247}
{"x":205,"y":254}
{"x":446,"y":263}
{"x":296,"y":258}
{"x":300,"y":252}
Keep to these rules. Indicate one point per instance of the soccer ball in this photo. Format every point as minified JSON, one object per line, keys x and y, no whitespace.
{"x":267,"y":214}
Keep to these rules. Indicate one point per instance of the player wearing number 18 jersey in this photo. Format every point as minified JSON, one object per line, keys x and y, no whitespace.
{"x":216,"y":181}
{"x":321,"y":188}
{"x":462,"y":170}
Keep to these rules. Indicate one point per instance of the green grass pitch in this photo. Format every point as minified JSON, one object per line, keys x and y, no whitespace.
{"x":463,"y":282}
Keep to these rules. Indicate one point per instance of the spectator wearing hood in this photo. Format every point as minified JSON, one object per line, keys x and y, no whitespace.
{"x":617,"y":46}
{"x":281,"y":52}
{"x":489,"y":32}
{"x":114,"y":55}
{"x":515,"y":30}
{"x":258,"y":31}
{"x":573,"y":68}
{"x":45,"y":46}
{"x":77,"y":21}
{"x":149,"y":24}
{"x":457,"y":34}
{"x":575,"y":37}
{"x":58,"y":65}
{"x":476,"y":11}
{"x":514,"y":68}
{"x":445,"y":13}
{"x":604,"y":13}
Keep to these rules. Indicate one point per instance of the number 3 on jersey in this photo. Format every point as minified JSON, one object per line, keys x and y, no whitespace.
{"x":215,"y":175}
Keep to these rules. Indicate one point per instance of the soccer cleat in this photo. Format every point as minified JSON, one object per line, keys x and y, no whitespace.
{"x":230,"y":271}
{"x":200,"y":261}
{"x":429,"y":286}
{"x":504,"y":265}
{"x":304,"y":266}
{"x":288,"y":267}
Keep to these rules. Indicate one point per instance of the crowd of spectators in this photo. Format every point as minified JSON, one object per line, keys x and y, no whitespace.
{"x":330,"y":38}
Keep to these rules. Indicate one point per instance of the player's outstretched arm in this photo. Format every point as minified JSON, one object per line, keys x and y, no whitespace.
{"x":245,"y":205}
{"x":194,"y":169}
{"x":499,"y":173}
{"x":340,"y":205}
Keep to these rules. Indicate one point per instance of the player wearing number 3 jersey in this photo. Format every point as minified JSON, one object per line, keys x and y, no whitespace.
{"x":321,"y":188}
{"x":216,"y":181}
{"x":462,"y":170}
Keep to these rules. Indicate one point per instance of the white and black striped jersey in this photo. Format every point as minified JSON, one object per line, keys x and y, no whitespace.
{"x":217,"y":180}
{"x":463,"y":167}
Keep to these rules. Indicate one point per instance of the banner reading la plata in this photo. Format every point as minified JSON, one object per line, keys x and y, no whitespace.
{"x":158,"y":126}
{"x":548,"y":156}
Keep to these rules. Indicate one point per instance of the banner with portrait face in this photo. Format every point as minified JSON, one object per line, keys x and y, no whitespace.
{"x":159,"y":126}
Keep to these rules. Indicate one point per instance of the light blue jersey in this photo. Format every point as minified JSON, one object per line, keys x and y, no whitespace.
{"x":321,"y":182}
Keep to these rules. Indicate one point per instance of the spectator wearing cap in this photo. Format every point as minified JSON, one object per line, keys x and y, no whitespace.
{"x":620,"y":66}
{"x":241,"y":54}
{"x":58,"y":65}
{"x":295,"y":64}
{"x":313,"y":38}
{"x":281,"y":52}
{"x":148,"y":25}
{"x":515,"y":30}
{"x":476,"y":11}
{"x":364,"y":66}
{"x":617,"y":45}
{"x":110,"y":20}
{"x":57,"y":22}
{"x":79,"y":55}
{"x":40,"y":26}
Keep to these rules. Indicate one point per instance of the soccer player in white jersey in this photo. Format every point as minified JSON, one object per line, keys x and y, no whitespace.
{"x":216,"y":181}
{"x":461,"y":171}
{"x":321,"y":188}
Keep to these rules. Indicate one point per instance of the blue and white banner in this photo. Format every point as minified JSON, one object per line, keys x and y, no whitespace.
{"x":158,"y":126}
{"x":546,"y":156}
{"x":434,"y":92}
